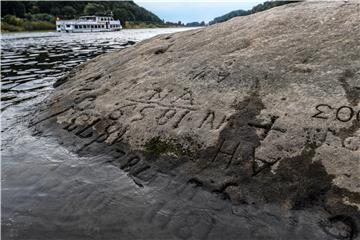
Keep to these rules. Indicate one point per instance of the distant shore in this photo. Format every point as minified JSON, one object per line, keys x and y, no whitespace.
{"x":47,"y":26}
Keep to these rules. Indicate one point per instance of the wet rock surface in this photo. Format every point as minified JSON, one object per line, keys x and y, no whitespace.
{"x":263,"y":109}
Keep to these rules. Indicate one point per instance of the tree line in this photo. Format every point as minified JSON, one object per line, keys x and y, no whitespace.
{"x":49,"y":10}
{"x":258,"y":8}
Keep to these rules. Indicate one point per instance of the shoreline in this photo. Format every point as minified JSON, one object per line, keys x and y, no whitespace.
{"x":135,"y":27}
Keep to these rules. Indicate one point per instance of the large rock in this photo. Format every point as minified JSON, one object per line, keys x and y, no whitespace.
{"x":263,"y":108}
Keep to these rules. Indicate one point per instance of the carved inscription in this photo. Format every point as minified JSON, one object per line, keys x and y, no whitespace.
{"x":166,"y":116}
{"x":226,"y":150}
{"x":168,"y":108}
{"x":209,"y":121}
{"x":342,"y":113}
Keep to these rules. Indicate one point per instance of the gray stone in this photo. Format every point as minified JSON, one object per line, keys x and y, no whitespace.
{"x":263,"y":108}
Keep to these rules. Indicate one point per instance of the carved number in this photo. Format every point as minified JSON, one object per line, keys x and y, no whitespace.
{"x":343,"y":113}
{"x":350,"y":116}
{"x":320,"y":112}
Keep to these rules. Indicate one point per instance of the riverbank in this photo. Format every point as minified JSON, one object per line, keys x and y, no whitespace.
{"x":27,"y":26}
{"x":21,"y":25}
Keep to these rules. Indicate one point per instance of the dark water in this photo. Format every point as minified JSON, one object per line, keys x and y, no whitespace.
{"x":51,"y":193}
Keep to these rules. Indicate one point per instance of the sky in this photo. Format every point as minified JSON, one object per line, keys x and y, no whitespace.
{"x":193,"y":11}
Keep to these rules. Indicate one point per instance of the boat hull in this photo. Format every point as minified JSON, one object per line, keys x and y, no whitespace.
{"x":88,"y":31}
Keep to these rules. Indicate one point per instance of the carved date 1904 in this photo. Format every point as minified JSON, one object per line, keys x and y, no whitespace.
{"x":342,"y":113}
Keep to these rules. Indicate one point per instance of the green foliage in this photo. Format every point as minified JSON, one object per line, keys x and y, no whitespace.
{"x":93,"y":9}
{"x":11,"y":23}
{"x":156,"y":146}
{"x":42,"y":17}
{"x":28,"y":15}
{"x":5,"y":27}
{"x":125,"y":10}
{"x":258,"y":8}
{"x":141,"y":24}
{"x":38,"y":26}
{"x":195,"y":24}
{"x":69,"y":12}
{"x":123,"y":15}
{"x":12,"y":20}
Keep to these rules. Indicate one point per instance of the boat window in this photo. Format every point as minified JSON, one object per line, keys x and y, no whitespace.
{"x":67,"y":26}
{"x":76,"y":27}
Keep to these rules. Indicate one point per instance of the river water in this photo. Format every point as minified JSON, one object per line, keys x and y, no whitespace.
{"x":51,"y":193}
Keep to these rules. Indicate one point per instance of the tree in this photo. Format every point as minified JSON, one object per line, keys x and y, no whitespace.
{"x":69,"y":11}
{"x":55,"y":11}
{"x":123,"y":15}
{"x":123,"y":10}
{"x":20,"y":10}
{"x":13,"y":20}
{"x":93,"y":9}
{"x":34,"y":9}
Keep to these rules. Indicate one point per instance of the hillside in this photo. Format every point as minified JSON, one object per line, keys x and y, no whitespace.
{"x":41,"y":15}
{"x":258,"y":8}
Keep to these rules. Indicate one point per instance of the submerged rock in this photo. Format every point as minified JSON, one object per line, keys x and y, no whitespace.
{"x":263,"y":108}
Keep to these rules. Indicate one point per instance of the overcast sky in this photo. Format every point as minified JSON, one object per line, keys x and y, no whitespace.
{"x":194,"y":10}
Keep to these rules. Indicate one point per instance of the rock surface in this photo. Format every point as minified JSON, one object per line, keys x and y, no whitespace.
{"x":263,"y":108}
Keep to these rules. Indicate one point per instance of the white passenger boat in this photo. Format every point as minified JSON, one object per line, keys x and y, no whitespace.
{"x":89,"y":24}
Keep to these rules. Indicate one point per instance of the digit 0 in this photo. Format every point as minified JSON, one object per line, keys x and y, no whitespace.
{"x":350,"y":114}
